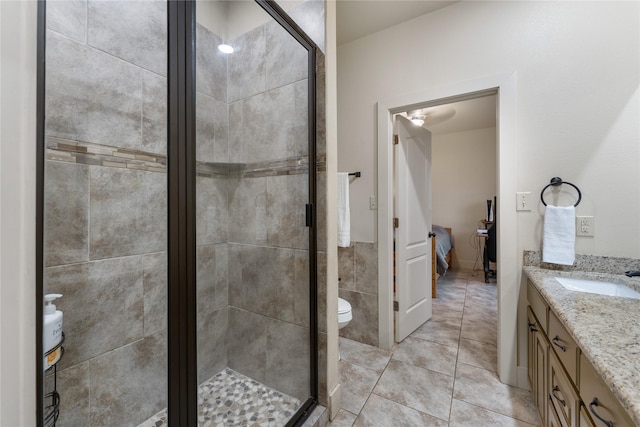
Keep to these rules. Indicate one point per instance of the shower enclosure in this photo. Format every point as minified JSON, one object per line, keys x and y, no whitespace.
{"x":177,"y":188}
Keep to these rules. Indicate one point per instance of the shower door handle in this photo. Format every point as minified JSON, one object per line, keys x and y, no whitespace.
{"x":308,"y":214}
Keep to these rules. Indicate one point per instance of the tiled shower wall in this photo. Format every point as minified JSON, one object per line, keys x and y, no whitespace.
{"x":106,"y":206}
{"x":358,"y":273}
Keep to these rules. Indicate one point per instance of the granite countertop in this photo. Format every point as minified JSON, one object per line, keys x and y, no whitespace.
{"x":606,"y":328}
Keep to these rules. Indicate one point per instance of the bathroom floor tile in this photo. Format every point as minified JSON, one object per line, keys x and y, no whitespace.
{"x":427,"y":355}
{"x":481,"y":387}
{"x":383,"y":412}
{"x":343,"y":419}
{"x":421,"y":389}
{"x":477,"y":353}
{"x":438,"y":332}
{"x":445,"y":304}
{"x":441,"y":314}
{"x":357,"y":383}
{"x":482,"y":314}
{"x":365,"y":355}
{"x":486,"y":332}
{"x":466,"y":415}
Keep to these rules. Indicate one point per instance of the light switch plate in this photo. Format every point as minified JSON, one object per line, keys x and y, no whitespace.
{"x":373,"y":203}
{"x":523,"y":201}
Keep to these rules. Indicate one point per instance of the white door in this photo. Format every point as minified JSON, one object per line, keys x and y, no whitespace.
{"x":412,"y":207}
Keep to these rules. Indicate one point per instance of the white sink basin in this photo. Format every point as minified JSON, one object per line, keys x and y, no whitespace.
{"x":596,"y":287}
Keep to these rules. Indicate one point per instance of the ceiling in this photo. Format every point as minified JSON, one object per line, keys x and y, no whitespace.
{"x":359,"y":18}
{"x":471,"y":114}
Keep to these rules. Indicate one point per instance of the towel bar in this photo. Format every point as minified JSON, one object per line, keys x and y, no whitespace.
{"x":556,"y":181}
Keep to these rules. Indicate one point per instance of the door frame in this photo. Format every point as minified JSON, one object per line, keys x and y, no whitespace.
{"x":504,"y":86}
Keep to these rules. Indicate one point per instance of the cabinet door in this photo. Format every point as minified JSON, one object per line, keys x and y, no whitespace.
{"x":553,"y":417}
{"x":585,"y":419}
{"x":562,"y":395}
{"x":531,"y":345}
{"x":601,"y":404}
{"x":541,"y":350}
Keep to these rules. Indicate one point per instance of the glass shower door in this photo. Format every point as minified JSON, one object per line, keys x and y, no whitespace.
{"x":105,"y":210}
{"x":253,"y":242}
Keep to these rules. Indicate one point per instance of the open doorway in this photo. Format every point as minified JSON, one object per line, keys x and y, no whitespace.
{"x":458,"y":197}
{"x":503,"y":88}
{"x":463,"y":176}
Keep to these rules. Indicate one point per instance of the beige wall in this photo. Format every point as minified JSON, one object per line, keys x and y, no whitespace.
{"x":17,"y":212}
{"x":463,"y":177}
{"x":576,"y":112}
{"x":577,"y":101}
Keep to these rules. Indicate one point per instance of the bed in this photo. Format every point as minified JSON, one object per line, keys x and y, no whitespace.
{"x":441,"y":254}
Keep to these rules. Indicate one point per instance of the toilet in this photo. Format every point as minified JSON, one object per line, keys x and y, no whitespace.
{"x":344,"y":313}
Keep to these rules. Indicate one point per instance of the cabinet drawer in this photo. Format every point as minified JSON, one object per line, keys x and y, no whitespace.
{"x":538,"y":305}
{"x":601,"y":404}
{"x":564,"y":346}
{"x":562,"y":395}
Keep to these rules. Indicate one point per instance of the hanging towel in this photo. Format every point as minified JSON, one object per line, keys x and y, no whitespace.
{"x":558,"y":246}
{"x":344,"y":216}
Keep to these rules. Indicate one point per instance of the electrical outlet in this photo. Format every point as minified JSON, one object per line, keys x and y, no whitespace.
{"x":373,"y":203}
{"x":523,"y":201}
{"x":585,"y":226}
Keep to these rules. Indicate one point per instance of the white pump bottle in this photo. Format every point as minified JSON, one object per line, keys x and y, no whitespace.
{"x":52,"y":332}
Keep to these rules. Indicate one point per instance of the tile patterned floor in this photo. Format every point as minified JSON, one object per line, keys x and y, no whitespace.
{"x":232,"y":399}
{"x":444,"y":374}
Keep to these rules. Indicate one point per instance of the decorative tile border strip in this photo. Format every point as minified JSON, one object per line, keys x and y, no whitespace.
{"x":88,"y":153}
{"x":103,"y":155}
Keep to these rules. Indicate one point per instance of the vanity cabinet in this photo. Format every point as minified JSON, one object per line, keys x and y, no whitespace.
{"x":566,"y":389}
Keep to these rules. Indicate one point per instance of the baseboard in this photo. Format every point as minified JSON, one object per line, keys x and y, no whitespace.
{"x":464,"y":265}
{"x":335,"y":402}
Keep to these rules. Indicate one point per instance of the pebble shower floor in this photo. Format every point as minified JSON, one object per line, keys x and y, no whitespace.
{"x":232,"y":399}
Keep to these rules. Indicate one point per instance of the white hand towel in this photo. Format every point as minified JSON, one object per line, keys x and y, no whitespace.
{"x":558,"y":246}
{"x":344,"y":216}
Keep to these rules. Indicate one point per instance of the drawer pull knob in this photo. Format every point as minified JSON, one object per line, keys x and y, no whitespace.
{"x":532,"y":327}
{"x":553,"y":393}
{"x":560,"y":346}
{"x":593,"y":403}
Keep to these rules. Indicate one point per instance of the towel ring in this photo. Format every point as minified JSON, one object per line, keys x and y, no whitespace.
{"x":556,"y":181}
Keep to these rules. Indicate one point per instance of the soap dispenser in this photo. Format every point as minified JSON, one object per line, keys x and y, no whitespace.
{"x":52,"y":332}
